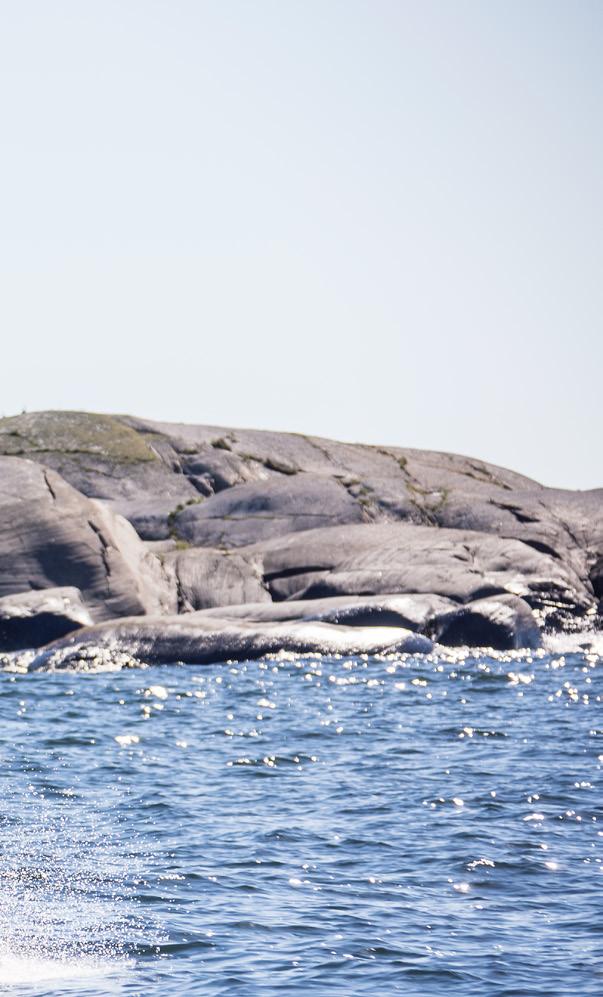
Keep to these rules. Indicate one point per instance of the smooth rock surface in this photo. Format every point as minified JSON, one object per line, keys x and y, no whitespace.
{"x":241,"y":516}
{"x":52,"y":536}
{"x":400,"y":558}
{"x":194,"y":639}
{"x":413,"y":612}
{"x":503,"y":622}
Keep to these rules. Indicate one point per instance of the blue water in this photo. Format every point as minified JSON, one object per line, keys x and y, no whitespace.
{"x":305,"y":826}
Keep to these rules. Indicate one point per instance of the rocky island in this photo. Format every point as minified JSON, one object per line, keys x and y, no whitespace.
{"x":126,"y":541}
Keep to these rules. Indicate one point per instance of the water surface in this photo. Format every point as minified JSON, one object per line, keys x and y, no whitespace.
{"x":304,"y":826}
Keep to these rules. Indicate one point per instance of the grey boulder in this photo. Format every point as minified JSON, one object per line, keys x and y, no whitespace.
{"x":195,"y":639}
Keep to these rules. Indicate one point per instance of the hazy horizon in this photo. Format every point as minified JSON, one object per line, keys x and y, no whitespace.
{"x":378,"y":221}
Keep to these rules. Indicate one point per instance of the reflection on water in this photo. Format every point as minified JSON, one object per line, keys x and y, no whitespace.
{"x":295,"y":826}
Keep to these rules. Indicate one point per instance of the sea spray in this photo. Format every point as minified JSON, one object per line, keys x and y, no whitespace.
{"x":69,"y":875}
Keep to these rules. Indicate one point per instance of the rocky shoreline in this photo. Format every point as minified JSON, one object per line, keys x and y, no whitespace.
{"x":161,"y":543}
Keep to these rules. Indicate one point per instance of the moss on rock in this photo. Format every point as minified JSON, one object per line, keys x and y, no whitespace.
{"x":73,"y":433}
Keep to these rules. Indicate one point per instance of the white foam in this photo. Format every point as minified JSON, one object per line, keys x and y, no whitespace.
{"x":573,"y":643}
{"x":19,"y":969}
{"x":66,"y":910}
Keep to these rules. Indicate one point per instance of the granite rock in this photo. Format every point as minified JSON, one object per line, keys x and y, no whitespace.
{"x":413,"y":612}
{"x":205,"y":578}
{"x":52,"y":536}
{"x":194,"y":639}
{"x":219,"y":518}
{"x":251,"y":512}
{"x":460,"y":565}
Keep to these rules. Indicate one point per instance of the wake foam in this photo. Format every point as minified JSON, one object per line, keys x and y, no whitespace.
{"x":27,"y":970}
{"x":67,"y":907}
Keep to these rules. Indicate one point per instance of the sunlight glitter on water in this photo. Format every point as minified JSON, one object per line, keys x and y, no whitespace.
{"x":66,"y":910}
{"x":317,"y":827}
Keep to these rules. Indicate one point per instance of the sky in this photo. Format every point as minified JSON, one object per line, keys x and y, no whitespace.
{"x":370,"y":220}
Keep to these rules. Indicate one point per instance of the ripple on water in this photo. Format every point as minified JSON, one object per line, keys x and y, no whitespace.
{"x":311,"y":825}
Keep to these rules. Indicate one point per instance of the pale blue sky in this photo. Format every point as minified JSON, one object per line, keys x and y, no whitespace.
{"x":379,"y":221}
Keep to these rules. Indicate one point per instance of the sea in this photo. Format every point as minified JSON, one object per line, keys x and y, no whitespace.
{"x":305,"y":825}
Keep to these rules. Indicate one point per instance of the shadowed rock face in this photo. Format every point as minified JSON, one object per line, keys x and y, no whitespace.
{"x":239,"y":518}
{"x":504,"y":623}
{"x":51,"y":536}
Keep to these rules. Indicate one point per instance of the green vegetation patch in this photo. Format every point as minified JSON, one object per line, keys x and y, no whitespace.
{"x":72,"y":433}
{"x":173,"y":515}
